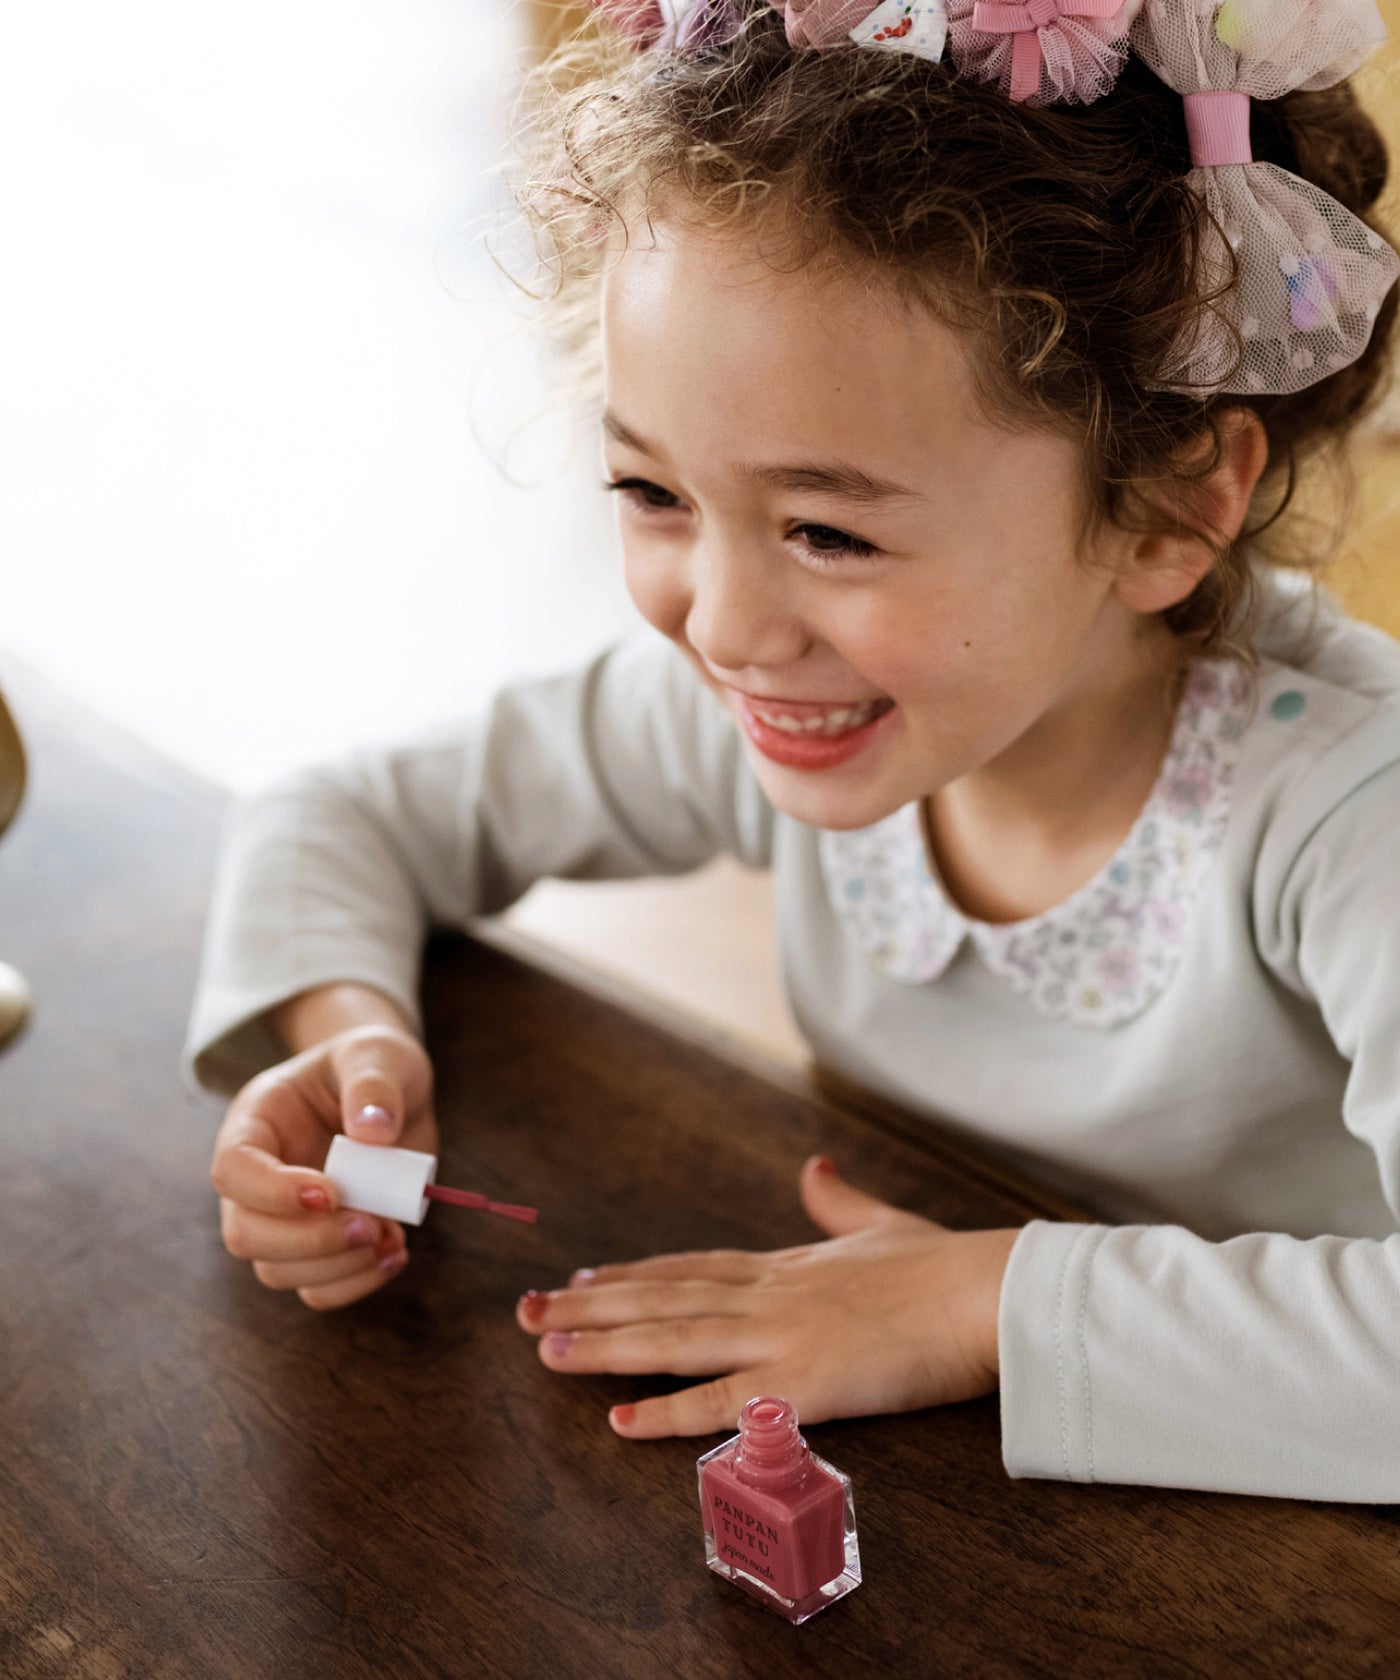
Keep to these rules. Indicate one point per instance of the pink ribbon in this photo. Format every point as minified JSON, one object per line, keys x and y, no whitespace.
{"x":1025,"y":23}
{"x":1217,"y":125}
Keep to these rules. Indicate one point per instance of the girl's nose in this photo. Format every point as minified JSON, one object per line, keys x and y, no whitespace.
{"x":740,"y":614}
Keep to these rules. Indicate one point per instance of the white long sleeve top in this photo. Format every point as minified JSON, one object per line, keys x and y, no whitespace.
{"x":1201,"y":1046}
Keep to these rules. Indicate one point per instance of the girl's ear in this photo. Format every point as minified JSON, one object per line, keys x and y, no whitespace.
{"x":1165,"y":567}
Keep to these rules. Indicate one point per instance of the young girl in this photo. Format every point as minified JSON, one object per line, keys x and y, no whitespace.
{"x":955,"y":362}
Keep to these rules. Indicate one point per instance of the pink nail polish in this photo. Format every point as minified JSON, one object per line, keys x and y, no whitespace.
{"x":779,"y":1521}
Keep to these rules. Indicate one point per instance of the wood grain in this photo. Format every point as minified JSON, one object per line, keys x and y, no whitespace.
{"x":201,"y":1479}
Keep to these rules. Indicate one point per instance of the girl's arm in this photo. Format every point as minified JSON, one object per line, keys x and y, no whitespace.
{"x":1265,"y":1364}
{"x":332,"y":878}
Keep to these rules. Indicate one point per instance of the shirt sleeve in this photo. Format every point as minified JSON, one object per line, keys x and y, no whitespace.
{"x":627,"y":766}
{"x":1265,"y":1364}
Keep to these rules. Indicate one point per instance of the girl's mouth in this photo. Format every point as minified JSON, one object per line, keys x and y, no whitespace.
{"x":812,"y":737}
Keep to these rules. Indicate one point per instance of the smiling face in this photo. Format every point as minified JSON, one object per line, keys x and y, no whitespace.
{"x":814,"y":509}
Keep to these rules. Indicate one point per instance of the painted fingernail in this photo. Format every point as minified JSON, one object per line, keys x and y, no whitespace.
{"x":394,"y":1262}
{"x":582,"y":1278}
{"x":379,"y":1118}
{"x":622,"y":1417}
{"x":532,"y":1304}
{"x":361,"y":1232}
{"x":314,"y":1200}
{"x":559,"y":1342}
{"x":824,"y":1164}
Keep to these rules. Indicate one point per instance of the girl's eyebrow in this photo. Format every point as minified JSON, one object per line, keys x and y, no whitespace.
{"x":852,"y":483}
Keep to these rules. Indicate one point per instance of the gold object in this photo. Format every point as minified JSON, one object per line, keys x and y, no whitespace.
{"x":14,"y":989}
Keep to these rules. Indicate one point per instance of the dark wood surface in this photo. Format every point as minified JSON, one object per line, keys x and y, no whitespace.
{"x":200,"y":1478}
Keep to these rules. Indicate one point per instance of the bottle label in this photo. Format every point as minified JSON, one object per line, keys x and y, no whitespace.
{"x":747,"y":1542}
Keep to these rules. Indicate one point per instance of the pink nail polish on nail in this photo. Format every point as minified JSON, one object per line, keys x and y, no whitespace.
{"x":559,"y":1342}
{"x":582,"y":1278}
{"x":779,"y":1521}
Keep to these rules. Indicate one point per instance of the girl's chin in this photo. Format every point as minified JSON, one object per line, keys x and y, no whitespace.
{"x":824,"y":802}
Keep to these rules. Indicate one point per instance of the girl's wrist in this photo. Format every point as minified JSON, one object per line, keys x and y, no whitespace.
{"x":313,"y":1016}
{"x":995,"y":1247}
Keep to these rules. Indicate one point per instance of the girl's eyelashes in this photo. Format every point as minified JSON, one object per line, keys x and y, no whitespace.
{"x":817,"y":539}
{"x":644,"y":492}
{"x":826,"y":539}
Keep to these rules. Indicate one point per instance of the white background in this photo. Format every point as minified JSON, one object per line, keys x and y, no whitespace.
{"x":262,"y":389}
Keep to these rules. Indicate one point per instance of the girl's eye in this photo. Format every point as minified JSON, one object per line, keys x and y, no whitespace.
{"x":644,"y":491}
{"x":823,"y":540}
{"x":826,"y":539}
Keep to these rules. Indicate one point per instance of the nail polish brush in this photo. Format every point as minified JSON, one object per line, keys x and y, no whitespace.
{"x":398,"y":1183}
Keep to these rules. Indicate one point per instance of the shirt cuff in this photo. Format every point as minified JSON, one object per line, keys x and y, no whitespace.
{"x":1047,"y":1423}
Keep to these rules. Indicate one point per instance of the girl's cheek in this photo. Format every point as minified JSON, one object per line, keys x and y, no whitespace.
{"x":658,"y":590}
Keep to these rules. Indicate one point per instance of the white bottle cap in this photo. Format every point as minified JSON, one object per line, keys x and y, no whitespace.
{"x":373,"y":1178}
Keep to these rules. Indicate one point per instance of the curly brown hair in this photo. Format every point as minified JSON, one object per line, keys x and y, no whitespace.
{"x":1064,"y":241}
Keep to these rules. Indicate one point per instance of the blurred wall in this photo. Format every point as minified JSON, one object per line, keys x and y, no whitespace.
{"x":1367,"y":575}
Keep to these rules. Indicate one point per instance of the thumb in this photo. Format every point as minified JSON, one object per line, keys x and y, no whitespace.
{"x":839,"y":1208}
{"x":371,"y":1099}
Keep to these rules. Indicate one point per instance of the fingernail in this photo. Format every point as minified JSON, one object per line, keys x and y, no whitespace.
{"x":824,"y":1164}
{"x":559,"y":1342}
{"x":361,"y":1232}
{"x":314,"y":1200}
{"x":622,"y":1417}
{"x":378,"y":1118}
{"x":532,"y":1304}
{"x":582,"y":1278}
{"x":394,"y":1262}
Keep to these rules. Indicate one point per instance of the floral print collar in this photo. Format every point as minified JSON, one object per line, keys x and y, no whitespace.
{"x":1111,"y":948}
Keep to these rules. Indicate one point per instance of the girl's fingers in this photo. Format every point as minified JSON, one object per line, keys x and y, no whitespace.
{"x":247,"y":1169}
{"x":686,"y":1347}
{"x":709,"y":1409}
{"x":837,"y":1207}
{"x":720,"y":1265}
{"x":313,"y":1274}
{"x":325,"y":1297}
{"x":604,"y":1305}
{"x":261,"y":1236}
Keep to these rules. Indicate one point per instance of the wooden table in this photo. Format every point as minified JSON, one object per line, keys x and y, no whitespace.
{"x":201,"y":1478}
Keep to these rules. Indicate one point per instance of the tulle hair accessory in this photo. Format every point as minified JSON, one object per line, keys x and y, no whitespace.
{"x":1296,"y":279}
{"x":1046,"y":52}
{"x":1293,"y":281}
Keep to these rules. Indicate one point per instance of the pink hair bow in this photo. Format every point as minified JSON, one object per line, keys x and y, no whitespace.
{"x":1024,"y":25}
{"x":1308,"y":276}
{"x":1044,"y":51}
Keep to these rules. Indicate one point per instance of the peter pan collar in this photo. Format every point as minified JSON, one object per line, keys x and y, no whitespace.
{"x":1108,"y":950}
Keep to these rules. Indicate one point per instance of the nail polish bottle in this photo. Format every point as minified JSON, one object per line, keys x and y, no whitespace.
{"x":779,"y":1521}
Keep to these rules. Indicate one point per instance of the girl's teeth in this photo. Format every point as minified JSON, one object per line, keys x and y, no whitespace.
{"x":836,"y":722}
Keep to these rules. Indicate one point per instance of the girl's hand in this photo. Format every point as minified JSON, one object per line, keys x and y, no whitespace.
{"x":277,"y":1208}
{"x":893,"y":1313}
